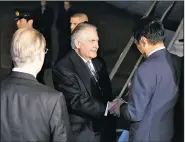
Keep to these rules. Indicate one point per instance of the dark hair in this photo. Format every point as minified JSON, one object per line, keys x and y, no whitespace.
{"x":151,"y":28}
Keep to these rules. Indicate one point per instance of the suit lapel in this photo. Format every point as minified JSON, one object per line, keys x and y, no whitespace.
{"x":82,"y":70}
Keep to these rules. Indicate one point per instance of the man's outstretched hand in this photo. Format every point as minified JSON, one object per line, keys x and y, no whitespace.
{"x":114,"y":106}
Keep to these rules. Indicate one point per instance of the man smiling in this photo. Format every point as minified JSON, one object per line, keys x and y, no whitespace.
{"x":83,"y":78}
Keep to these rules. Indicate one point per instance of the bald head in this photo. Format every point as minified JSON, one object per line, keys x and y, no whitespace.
{"x":78,"y":18}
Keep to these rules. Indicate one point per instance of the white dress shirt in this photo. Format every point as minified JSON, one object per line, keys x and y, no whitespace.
{"x":91,"y":64}
{"x":42,"y":10}
{"x":160,"y":48}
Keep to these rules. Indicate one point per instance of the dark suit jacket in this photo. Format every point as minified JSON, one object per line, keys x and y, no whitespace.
{"x":152,"y":98}
{"x":31,"y":111}
{"x":63,"y":19}
{"x":85,"y":100}
{"x":64,"y":32}
{"x":43,"y":22}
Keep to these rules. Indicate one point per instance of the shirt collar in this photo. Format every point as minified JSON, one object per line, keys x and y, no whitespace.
{"x":83,"y":59}
{"x":160,"y":48}
{"x":23,"y":71}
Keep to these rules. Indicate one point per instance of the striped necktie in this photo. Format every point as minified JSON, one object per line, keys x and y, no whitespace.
{"x":93,"y":72}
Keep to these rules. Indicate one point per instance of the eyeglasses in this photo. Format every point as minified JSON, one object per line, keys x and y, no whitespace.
{"x":46,"y":50}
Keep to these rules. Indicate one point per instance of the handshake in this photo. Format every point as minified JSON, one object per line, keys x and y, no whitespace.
{"x":114,"y":107}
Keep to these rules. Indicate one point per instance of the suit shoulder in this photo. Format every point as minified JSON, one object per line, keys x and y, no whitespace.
{"x":64,"y":63}
{"x":64,"y":67}
{"x":44,"y":88}
{"x":145,"y":68}
{"x":31,"y":88}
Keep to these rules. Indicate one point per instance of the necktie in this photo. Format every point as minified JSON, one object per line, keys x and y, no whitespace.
{"x":93,"y":72}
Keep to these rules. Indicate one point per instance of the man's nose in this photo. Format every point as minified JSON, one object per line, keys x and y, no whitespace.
{"x":72,"y":27}
{"x":96,"y":45}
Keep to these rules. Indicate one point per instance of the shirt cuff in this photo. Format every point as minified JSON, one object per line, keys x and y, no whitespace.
{"x":107,"y":109}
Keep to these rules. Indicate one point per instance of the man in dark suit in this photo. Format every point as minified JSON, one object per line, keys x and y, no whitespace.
{"x":43,"y":20}
{"x":83,"y":78}
{"x":63,"y":25}
{"x":76,"y":19}
{"x":154,"y":90}
{"x":31,"y":111}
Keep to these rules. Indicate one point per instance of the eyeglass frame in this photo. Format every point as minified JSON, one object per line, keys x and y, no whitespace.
{"x":46,"y":50}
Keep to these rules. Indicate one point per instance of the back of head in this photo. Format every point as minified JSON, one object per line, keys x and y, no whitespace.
{"x":150,"y":28}
{"x":26,"y":45}
{"x":79,"y":31}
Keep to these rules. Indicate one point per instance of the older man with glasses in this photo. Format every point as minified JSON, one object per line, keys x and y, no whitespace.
{"x":31,"y":111}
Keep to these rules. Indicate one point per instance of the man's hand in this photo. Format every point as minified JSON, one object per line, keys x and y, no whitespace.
{"x":109,"y":105}
{"x":114,"y":106}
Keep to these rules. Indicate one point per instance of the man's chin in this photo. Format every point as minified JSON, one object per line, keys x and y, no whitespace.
{"x":94,"y":56}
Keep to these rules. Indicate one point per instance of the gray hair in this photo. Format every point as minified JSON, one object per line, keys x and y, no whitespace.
{"x":26,"y":44}
{"x":78,"y":31}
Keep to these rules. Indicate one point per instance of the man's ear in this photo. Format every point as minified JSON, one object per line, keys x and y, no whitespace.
{"x":30,"y":22}
{"x":144,"y":41}
{"x":17,"y":23}
{"x":77,"y":44}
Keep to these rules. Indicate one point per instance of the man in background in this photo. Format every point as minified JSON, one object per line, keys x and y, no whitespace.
{"x":31,"y":111}
{"x":65,"y":11}
{"x":23,"y":18}
{"x":43,"y":19}
{"x":77,"y":19}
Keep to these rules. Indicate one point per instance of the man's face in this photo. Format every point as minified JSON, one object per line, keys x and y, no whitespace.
{"x":88,"y":44}
{"x":66,"y":5}
{"x":74,"y":21}
{"x":43,"y":3}
{"x":22,"y":23}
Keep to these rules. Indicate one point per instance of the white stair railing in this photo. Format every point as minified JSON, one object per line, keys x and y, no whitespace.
{"x":127,"y":48}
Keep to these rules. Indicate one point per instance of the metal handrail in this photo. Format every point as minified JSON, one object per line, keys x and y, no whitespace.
{"x":132,"y":73}
{"x":127,"y":48}
{"x":2,"y":35}
{"x":176,"y":34}
{"x":141,"y":56}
